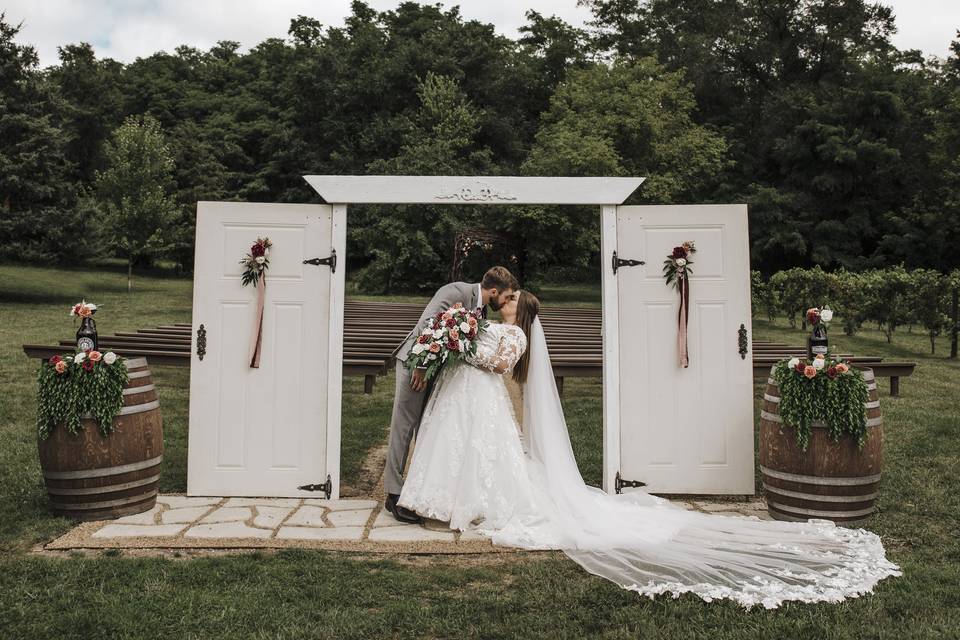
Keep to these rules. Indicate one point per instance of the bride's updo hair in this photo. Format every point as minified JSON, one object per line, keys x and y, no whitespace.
{"x":528,"y":306}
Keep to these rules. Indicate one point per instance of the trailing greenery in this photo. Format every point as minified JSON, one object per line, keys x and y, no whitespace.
{"x":831,"y":393}
{"x":68,"y":390}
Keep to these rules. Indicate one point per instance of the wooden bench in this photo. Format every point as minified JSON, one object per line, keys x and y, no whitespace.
{"x":573,"y":335}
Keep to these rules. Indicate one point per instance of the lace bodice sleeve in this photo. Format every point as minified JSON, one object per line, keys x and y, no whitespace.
{"x":501,"y":356}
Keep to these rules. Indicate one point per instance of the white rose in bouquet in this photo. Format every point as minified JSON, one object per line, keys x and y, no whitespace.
{"x":793,"y":363}
{"x":80,"y":357}
{"x":826,"y":315}
{"x":109,"y":357}
{"x":464,"y":327}
{"x":681,"y":262}
{"x":417,"y":348}
{"x":438,"y":334}
{"x":261,"y":259}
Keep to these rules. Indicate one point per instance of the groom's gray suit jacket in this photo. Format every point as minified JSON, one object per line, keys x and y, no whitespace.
{"x":446,"y":296}
{"x":408,"y":404}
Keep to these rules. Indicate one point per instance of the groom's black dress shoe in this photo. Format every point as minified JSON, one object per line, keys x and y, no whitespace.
{"x":400,"y":513}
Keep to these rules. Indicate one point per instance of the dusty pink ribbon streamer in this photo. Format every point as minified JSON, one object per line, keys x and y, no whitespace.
{"x":683,"y":318}
{"x":258,"y":324}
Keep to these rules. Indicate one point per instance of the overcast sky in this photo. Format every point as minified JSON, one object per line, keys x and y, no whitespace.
{"x":126,"y":29}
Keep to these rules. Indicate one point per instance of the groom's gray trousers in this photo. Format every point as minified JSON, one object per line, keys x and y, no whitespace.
{"x":408,"y":404}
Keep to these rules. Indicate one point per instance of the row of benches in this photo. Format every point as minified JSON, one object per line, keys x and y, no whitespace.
{"x":373,"y":329}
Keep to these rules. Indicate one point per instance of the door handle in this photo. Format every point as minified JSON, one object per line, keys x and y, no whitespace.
{"x":201,"y":342}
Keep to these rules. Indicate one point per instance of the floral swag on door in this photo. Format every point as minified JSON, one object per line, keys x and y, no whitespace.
{"x":676,"y":271}
{"x":256,"y":263}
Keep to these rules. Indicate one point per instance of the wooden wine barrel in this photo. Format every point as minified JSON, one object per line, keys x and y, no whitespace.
{"x":830,"y":480}
{"x":91,"y":477}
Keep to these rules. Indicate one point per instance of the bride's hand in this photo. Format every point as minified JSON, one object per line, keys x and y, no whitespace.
{"x":418,"y":381}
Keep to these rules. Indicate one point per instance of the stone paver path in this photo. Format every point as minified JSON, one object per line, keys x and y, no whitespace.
{"x":179,"y":521}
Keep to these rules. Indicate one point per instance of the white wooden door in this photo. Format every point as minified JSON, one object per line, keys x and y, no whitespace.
{"x":266,"y":431}
{"x":681,"y":430}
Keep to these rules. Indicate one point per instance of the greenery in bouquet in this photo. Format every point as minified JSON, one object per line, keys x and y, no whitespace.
{"x":449,"y":334}
{"x":822,"y":390}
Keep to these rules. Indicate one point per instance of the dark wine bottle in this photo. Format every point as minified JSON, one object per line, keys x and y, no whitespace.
{"x":87,"y":335}
{"x":817,"y":342}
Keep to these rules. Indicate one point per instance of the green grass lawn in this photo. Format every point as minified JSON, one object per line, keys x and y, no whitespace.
{"x":308,"y":594}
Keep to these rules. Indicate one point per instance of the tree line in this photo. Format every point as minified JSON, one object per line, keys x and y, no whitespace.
{"x":846,"y":148}
{"x":892,"y":298}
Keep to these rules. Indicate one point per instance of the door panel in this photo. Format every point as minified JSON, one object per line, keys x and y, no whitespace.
{"x":260,"y":432}
{"x":685,"y":430}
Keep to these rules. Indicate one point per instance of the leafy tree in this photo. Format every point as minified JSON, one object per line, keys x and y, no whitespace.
{"x":137,"y":213}
{"x":36,"y":191}
{"x":410,"y":245}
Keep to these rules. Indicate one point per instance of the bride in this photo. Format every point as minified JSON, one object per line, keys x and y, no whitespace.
{"x":470,"y":468}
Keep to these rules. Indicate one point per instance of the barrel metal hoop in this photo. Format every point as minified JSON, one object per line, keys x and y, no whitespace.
{"x":99,"y":473}
{"x":131,"y":409}
{"x":820,"y":480}
{"x":138,"y":374}
{"x":85,"y":506}
{"x":773,"y":399}
{"x":129,"y":391}
{"x":773,"y":417}
{"x":820,"y":513}
{"x":110,"y":488}
{"x":136,"y":363}
{"x":819,"y":498}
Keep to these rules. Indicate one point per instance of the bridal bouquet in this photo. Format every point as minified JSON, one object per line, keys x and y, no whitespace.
{"x":449,"y":334}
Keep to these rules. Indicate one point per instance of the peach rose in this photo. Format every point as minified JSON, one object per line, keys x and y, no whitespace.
{"x":61,"y":366}
{"x":95,"y":356}
{"x":454,"y":334}
{"x":810,"y":371}
{"x":84,"y":312}
{"x":472,"y":322}
{"x":435,"y":347}
{"x":842,"y":368}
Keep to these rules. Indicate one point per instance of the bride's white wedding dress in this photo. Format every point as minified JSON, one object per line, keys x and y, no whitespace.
{"x":469,"y":468}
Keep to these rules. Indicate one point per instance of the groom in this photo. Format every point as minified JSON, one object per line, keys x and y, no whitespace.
{"x":495,"y":289}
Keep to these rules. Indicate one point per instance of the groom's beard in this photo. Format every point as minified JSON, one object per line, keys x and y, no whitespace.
{"x":494,"y":304}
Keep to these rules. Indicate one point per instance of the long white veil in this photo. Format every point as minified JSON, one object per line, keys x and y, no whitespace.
{"x":649,"y":545}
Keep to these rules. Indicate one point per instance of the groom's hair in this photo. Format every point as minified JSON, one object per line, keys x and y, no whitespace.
{"x":499,"y":278}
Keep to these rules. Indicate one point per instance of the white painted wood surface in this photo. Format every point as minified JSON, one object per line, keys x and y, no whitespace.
{"x":472,"y":189}
{"x":611,"y":350}
{"x":684,"y":430}
{"x":263,"y":432}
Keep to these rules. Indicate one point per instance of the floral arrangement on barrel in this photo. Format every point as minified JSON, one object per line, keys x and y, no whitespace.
{"x":87,"y":382}
{"x":449,"y":334}
{"x":822,"y":389}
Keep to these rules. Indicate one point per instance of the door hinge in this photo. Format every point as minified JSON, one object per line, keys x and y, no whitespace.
{"x":620,"y":483}
{"x":326,"y":487}
{"x":331,"y":261}
{"x":620,"y":262}
{"x":201,"y":342}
